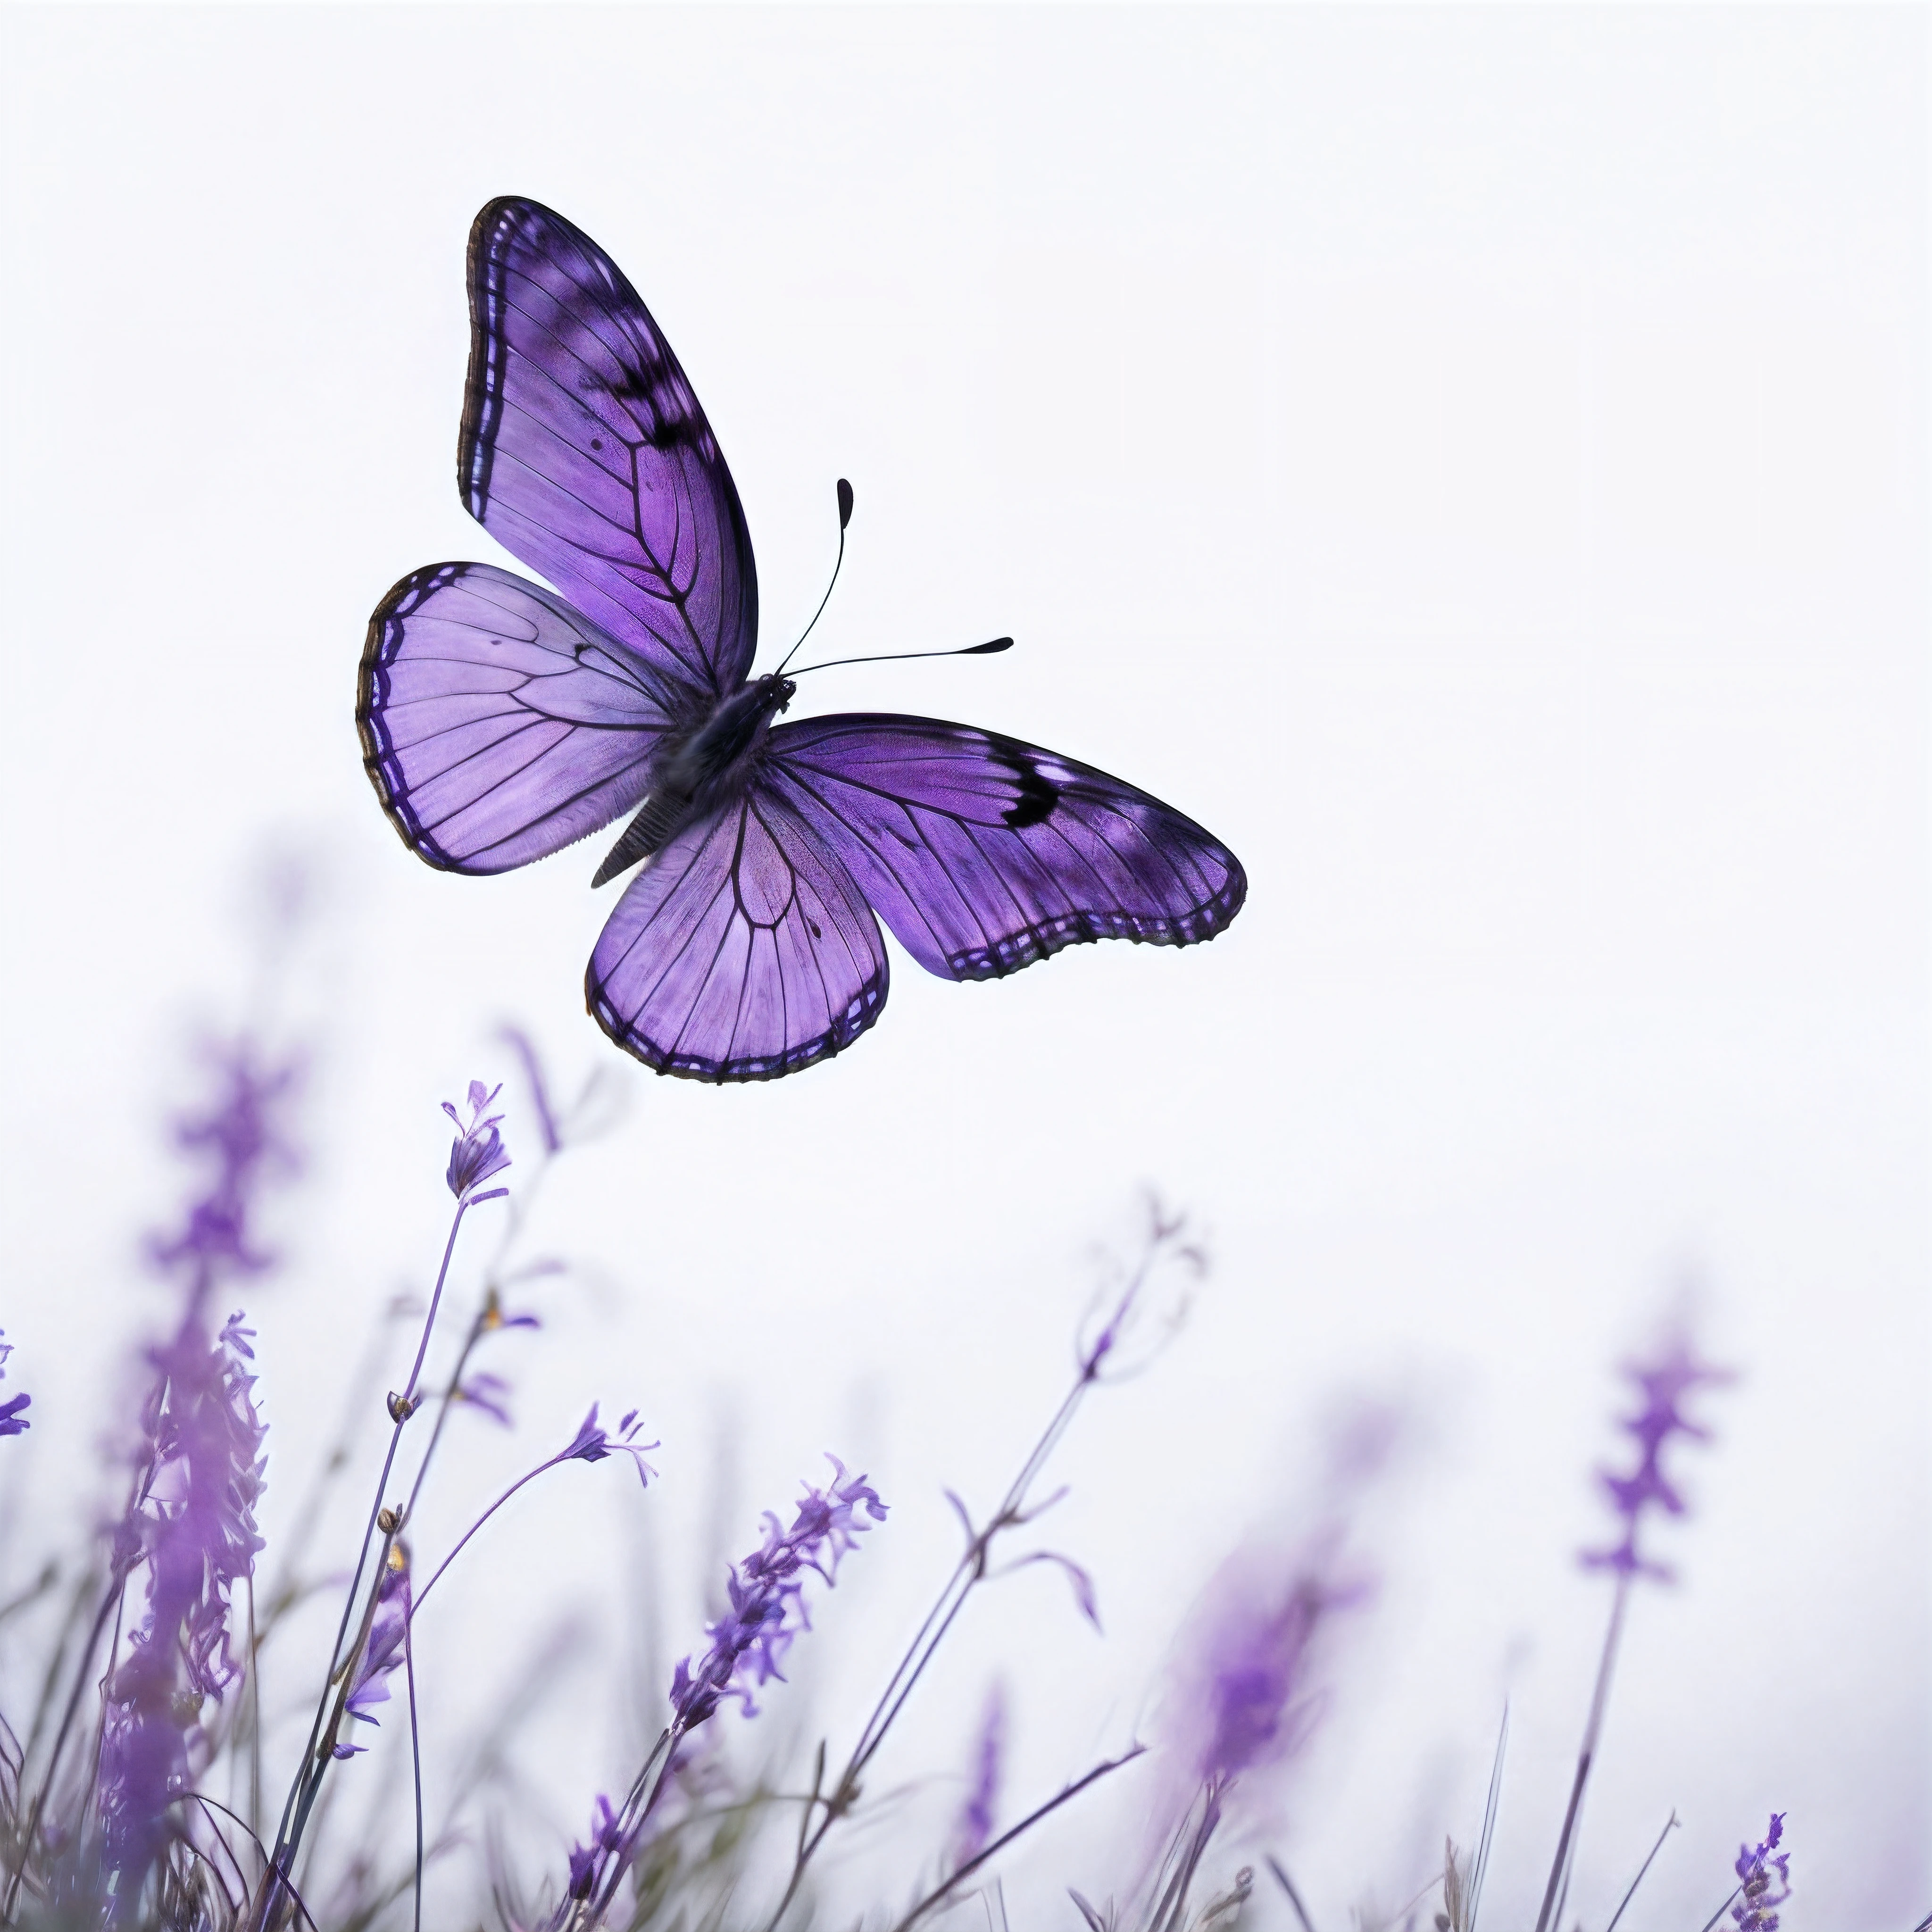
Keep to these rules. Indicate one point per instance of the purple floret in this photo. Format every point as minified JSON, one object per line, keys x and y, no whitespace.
{"x":589,"y":1862}
{"x":593,"y":1443}
{"x":478,"y":1152}
{"x":389,"y":1630}
{"x":12,"y":1422}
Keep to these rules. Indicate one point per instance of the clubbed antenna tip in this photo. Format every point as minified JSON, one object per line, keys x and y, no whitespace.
{"x":844,"y":503}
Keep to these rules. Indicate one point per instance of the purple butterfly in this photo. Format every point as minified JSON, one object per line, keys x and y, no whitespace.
{"x":501,"y":723}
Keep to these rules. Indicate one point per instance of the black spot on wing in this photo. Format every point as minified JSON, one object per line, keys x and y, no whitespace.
{"x":1038,"y":793}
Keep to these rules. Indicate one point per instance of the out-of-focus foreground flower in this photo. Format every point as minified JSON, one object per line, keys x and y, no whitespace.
{"x":12,"y":1422}
{"x":1764,"y":1880}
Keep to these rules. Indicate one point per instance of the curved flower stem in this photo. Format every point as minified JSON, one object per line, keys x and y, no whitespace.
{"x":529,"y":1476}
{"x":969,"y":1571}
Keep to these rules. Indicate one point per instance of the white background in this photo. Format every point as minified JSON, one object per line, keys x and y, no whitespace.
{"x":1474,"y":461}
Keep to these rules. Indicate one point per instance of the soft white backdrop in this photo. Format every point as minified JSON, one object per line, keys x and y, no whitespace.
{"x":1475,"y":461}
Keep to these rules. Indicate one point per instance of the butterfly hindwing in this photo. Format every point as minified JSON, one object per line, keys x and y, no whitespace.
{"x":983,"y":854}
{"x":585,"y":454}
{"x":498,"y":724}
{"x":743,"y":950}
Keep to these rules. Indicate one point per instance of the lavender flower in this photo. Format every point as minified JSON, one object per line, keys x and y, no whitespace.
{"x":383,"y":1651}
{"x":767,"y":1611}
{"x":194,"y":1524}
{"x":974,"y":1828}
{"x":488,"y":1392}
{"x":1663,"y":1384}
{"x":1250,"y":1684}
{"x":240,"y":1130}
{"x":12,"y":1422}
{"x":478,"y":1152}
{"x":767,"y":1598}
{"x":1764,"y":1880}
{"x":592,"y":1444}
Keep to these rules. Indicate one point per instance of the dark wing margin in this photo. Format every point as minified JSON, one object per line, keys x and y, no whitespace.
{"x":498,"y":724}
{"x":585,"y":454}
{"x":743,"y":951}
{"x":983,"y":854}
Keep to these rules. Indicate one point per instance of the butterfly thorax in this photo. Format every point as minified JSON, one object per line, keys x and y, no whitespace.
{"x":700,"y":769}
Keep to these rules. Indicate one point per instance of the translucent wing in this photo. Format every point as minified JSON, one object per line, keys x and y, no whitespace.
{"x":983,"y":854}
{"x":499,"y":725}
{"x":585,"y":454}
{"x":743,"y":951}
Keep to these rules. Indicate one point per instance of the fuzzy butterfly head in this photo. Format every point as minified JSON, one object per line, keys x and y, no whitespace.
{"x":503,"y":721}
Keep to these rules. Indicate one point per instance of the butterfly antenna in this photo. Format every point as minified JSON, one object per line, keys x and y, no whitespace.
{"x":845,"y":517}
{"x":986,"y":649}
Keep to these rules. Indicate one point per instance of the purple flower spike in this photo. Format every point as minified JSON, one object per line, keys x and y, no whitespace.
{"x":12,"y":1422}
{"x":242,"y":1132}
{"x":477,"y":1151}
{"x":1764,"y":1880}
{"x":767,"y":1593}
{"x":1663,"y":1383}
{"x":195,"y":1526}
{"x":1258,"y":1705}
{"x":974,"y":1830}
{"x":1251,"y":1671}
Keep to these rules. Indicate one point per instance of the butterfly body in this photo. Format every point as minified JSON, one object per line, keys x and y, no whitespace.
{"x":697,"y":775}
{"x":501,"y":720}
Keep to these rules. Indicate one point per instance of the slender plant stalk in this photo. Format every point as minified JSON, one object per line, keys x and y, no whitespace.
{"x":1566,"y":1843}
{"x":940,"y":1893}
{"x":1287,"y":1884}
{"x":969,"y":1571}
{"x":301,"y":1800}
{"x":416,"y":1764}
{"x":110,"y":1606}
{"x":1669,"y":1825}
{"x":1489,"y":1808}
{"x":1722,"y":1909}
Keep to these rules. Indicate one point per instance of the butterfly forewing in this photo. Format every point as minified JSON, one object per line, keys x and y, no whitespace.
{"x":499,"y":725}
{"x":983,"y":854}
{"x":585,"y":454}
{"x":743,"y":951}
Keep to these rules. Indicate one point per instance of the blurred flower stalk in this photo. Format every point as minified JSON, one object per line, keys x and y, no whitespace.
{"x":137,"y":1794}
